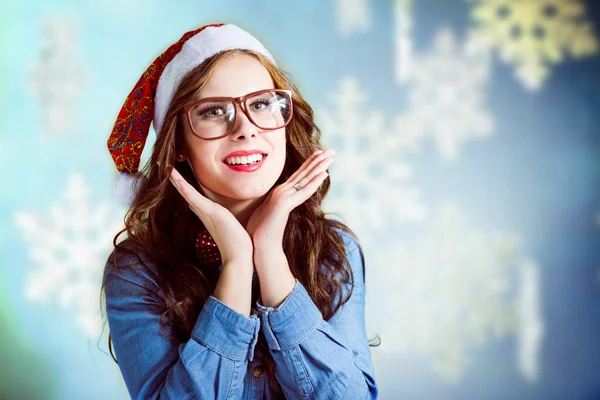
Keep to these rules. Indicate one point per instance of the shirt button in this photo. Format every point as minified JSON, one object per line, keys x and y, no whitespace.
{"x":258,"y":371}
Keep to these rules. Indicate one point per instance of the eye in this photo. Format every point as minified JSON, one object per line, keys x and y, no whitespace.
{"x":259,"y":105}
{"x":211,"y":112}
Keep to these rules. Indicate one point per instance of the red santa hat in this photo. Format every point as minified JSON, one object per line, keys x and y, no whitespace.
{"x":150,"y":98}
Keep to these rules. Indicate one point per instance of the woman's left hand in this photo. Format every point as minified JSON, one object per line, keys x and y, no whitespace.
{"x":267,"y":223}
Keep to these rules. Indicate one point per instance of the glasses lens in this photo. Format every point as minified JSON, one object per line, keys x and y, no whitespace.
{"x":270,"y":109}
{"x":213,"y":118}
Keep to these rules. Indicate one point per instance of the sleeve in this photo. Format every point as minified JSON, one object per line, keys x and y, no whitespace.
{"x":320,"y":359}
{"x":211,"y":364}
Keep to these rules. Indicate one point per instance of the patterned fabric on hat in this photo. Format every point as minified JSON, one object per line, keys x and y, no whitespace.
{"x":129,"y":134}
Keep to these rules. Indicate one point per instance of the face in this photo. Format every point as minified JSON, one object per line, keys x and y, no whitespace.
{"x":236,"y":76}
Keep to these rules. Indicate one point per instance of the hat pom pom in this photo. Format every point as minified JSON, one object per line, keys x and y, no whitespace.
{"x":125,"y":188}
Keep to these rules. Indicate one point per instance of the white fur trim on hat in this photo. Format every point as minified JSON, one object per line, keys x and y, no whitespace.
{"x":196,"y":50}
{"x":125,"y":188}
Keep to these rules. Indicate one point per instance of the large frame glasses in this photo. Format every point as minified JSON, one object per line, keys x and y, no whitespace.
{"x":214,"y":117}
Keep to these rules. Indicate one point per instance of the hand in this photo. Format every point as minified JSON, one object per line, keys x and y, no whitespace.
{"x":267,"y":223}
{"x":230,"y":236}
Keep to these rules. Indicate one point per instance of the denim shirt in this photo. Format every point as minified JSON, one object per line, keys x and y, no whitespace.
{"x":316,"y":359}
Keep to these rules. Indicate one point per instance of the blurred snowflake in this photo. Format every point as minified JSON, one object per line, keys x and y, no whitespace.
{"x":446,"y":95}
{"x":456,"y":288}
{"x":403,"y":25}
{"x":70,"y":246}
{"x":531,"y":330}
{"x":534,"y":34}
{"x":58,"y":75}
{"x":353,"y":15}
{"x":369,"y":178}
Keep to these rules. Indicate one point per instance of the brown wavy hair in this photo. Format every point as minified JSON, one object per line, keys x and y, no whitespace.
{"x":160,"y":224}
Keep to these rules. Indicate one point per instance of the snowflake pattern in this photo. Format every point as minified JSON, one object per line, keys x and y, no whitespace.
{"x":446,"y":94}
{"x":58,"y":75}
{"x":353,"y":16}
{"x":369,"y":178}
{"x":70,"y":246}
{"x":403,"y":24}
{"x":534,"y":34}
{"x":531,"y":329}
{"x":455,"y":289}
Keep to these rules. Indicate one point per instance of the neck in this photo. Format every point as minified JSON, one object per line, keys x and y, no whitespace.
{"x":241,"y":209}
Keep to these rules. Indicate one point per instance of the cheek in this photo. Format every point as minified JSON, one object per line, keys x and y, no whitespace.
{"x":203,"y":160}
{"x":280,"y":149}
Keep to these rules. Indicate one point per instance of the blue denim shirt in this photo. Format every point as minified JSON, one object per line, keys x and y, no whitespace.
{"x":315,"y":359}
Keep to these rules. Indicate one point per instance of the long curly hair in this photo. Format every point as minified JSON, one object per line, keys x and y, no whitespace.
{"x":160,"y":225}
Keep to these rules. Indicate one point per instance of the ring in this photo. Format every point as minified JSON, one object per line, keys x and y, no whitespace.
{"x":298,"y":187}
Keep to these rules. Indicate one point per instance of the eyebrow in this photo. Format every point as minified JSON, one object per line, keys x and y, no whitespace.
{"x":197,"y":97}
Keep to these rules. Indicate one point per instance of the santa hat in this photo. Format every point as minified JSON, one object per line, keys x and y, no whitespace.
{"x":150,"y":98}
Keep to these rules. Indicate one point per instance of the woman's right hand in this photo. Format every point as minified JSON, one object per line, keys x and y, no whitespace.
{"x":231,"y":238}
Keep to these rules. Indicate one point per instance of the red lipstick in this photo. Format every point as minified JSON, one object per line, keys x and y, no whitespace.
{"x":244,"y":153}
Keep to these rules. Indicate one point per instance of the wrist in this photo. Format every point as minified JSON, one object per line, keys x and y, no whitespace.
{"x":241,"y":258}
{"x":267,"y":248}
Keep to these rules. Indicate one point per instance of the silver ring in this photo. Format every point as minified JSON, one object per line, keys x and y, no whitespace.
{"x":298,"y":187}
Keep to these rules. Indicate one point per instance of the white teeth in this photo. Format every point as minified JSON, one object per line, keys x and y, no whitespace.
{"x":244,"y":160}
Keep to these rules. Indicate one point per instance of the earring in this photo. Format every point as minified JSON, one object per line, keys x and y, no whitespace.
{"x":180,"y":158}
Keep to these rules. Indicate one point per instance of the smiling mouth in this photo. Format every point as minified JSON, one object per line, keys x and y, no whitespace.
{"x":247,"y":165}
{"x":245,"y":160}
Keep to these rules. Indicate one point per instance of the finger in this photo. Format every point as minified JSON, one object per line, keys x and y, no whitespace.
{"x":311,"y":187}
{"x":310,"y":165}
{"x":305,"y":164}
{"x":316,"y":170}
{"x":188,"y":192}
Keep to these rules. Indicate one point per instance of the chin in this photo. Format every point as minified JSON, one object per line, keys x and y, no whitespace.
{"x":252,"y":193}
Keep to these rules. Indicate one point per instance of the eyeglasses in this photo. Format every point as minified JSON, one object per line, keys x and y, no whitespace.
{"x":215,"y":117}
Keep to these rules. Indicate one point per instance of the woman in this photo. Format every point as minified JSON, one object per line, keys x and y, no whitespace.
{"x":231,"y":282}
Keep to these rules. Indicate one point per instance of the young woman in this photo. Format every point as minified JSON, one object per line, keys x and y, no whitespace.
{"x":231,"y":282}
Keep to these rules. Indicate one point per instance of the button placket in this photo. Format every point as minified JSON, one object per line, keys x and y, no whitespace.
{"x":254,"y":340}
{"x":269,"y":335}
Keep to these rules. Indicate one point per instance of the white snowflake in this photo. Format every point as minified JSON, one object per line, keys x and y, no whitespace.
{"x":403,"y":25}
{"x":70,"y":246}
{"x":531,"y":331}
{"x":353,"y":15}
{"x":534,"y":35}
{"x":453,"y":289}
{"x":58,"y":75}
{"x":446,"y":94}
{"x":369,"y":177}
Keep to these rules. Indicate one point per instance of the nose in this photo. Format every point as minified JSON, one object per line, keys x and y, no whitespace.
{"x":243,"y":128}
